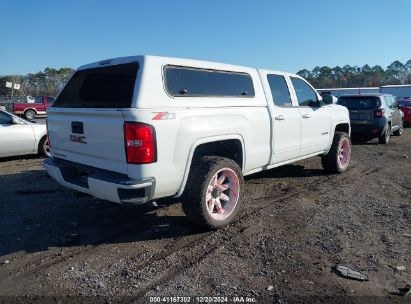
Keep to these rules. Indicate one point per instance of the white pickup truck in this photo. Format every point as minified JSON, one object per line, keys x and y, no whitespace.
{"x":135,"y":129}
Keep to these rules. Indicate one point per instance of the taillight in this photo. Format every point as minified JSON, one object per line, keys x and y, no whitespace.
{"x":378,"y":113}
{"x":140,"y":142}
{"x":47,"y":130}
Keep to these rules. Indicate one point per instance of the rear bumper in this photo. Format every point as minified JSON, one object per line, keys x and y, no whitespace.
{"x":103,"y":184}
{"x":367,"y":130}
{"x":376,"y":128}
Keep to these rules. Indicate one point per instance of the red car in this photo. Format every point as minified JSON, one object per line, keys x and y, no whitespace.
{"x":30,"y":110}
{"x":405,"y":106}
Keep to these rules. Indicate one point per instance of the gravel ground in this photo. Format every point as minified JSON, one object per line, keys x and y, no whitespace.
{"x":297,"y":225}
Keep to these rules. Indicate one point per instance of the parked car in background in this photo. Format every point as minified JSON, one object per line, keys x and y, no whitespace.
{"x":405,"y":106}
{"x":5,"y":104}
{"x":373,"y":115}
{"x":19,"y":136}
{"x":32,"y":110}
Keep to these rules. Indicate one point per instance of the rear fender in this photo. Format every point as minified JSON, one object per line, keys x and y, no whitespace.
{"x":204,"y":141}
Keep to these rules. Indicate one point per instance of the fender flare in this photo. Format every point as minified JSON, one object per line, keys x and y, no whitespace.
{"x":205,"y":140}
{"x":26,"y":109}
{"x":332,"y":131}
{"x":339,"y":122}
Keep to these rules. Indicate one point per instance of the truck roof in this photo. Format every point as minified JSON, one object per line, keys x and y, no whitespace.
{"x":163,"y":60}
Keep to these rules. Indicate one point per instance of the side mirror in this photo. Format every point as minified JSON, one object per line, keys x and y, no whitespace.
{"x":328,"y":99}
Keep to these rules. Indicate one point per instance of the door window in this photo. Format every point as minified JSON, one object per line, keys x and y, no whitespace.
{"x":279,"y":90}
{"x":306,"y":96}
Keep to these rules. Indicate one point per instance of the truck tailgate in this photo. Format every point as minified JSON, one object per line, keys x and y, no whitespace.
{"x":93,"y":137}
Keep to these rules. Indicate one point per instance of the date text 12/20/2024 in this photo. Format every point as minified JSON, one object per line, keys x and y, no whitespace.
{"x":176,"y":299}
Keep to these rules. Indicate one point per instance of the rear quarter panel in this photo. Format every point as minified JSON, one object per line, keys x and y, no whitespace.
{"x":177,"y":139}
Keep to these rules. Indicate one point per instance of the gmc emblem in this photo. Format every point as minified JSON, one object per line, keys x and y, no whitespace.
{"x":78,"y":139}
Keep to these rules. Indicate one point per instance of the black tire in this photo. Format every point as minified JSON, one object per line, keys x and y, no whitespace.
{"x":330,"y":161}
{"x":385,"y":136}
{"x":30,"y":114}
{"x":44,"y":148}
{"x":194,"y":201}
{"x":399,"y":131}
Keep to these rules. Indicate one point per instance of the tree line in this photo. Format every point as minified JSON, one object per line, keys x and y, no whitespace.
{"x":354,"y":76}
{"x":48,"y":82}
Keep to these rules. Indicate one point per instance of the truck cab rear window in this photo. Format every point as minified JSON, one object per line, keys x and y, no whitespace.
{"x":103,"y":87}
{"x":191,"y":82}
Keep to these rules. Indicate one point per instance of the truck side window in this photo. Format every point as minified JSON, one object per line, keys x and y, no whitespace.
{"x":306,"y":96}
{"x":38,"y":99}
{"x":194,"y":82}
{"x":279,"y":90}
{"x":5,"y":119}
{"x":50,"y":99}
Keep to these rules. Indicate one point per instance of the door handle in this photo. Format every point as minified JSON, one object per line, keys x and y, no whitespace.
{"x":279,"y":117}
{"x":306,"y":116}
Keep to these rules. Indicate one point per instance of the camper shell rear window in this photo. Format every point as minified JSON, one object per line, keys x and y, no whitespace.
{"x":102,"y":87}
{"x":195,"y":82}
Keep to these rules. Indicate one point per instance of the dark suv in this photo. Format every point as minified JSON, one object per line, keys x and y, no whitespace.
{"x":373,"y":115}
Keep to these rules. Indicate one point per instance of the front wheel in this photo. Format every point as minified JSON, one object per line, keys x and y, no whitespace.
{"x":339,"y":156}
{"x":213,"y":193}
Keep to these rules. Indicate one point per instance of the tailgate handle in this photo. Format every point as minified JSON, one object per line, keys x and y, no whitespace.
{"x":77,"y":127}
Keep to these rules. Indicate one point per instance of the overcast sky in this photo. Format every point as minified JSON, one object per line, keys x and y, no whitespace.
{"x":282,"y":35}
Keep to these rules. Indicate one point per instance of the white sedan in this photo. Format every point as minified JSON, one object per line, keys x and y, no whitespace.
{"x":19,"y":136}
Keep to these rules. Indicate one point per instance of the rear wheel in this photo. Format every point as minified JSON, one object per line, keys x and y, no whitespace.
{"x":44,"y":147}
{"x":399,"y":131}
{"x":212,"y":197}
{"x":385,"y":136}
{"x":30,"y":114}
{"x":339,"y":156}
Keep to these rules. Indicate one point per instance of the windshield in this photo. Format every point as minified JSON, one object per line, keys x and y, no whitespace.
{"x":103,"y":87}
{"x":359,"y":102}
